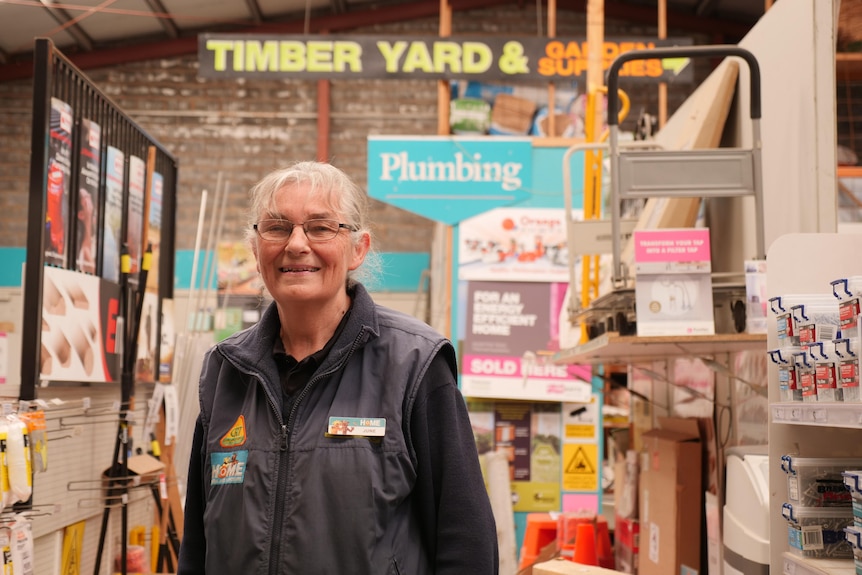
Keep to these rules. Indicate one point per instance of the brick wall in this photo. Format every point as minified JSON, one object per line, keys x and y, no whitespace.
{"x":241,"y":129}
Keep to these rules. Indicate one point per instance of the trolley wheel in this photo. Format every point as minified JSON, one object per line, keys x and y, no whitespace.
{"x":624,"y":327}
{"x":738,"y":311}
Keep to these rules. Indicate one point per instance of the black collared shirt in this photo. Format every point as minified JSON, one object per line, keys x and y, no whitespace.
{"x":295,"y":374}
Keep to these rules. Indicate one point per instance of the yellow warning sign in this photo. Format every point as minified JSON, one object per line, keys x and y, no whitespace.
{"x":580,"y":467}
{"x":73,"y":539}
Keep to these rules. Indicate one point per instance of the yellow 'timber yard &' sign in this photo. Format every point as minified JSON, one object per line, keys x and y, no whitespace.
{"x":281,"y":56}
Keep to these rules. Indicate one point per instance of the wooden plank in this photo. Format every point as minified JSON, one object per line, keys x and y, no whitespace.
{"x":173,"y":511}
{"x":662,"y":87}
{"x":595,"y":38}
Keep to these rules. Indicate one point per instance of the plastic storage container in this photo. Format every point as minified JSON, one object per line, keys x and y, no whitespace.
{"x":816,"y":321}
{"x":853,"y":482}
{"x":818,"y":531}
{"x":782,"y":307}
{"x":818,"y":481}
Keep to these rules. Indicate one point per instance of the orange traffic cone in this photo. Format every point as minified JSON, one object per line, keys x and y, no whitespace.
{"x":585,"y":545}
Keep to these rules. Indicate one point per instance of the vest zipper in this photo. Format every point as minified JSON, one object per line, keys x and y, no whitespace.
{"x":284,"y":458}
{"x":275,"y":540}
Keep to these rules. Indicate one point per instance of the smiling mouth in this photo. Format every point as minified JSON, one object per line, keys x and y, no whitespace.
{"x":298,"y":269}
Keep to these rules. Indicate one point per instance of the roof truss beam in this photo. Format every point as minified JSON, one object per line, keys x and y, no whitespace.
{"x":168,"y":23}
{"x":70,"y":25}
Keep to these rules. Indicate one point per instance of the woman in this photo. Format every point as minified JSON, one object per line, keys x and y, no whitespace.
{"x":332,"y":437}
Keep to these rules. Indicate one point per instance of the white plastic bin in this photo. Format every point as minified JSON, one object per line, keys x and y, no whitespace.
{"x":746,"y":512}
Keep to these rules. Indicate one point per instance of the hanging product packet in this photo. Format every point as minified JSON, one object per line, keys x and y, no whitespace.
{"x":788,"y":384}
{"x":847,"y":350}
{"x":18,"y":461}
{"x":825,"y":375}
{"x":21,"y":547}
{"x":6,"y":549}
{"x":848,"y":291}
{"x":36,"y":427}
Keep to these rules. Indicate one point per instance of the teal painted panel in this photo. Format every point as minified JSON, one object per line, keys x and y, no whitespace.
{"x":11,"y":260}
{"x":546,"y":190}
{"x":402,"y":271}
{"x":183,"y":262}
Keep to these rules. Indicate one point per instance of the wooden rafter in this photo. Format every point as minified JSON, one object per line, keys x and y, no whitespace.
{"x":164,"y":19}
{"x":255,"y":11}
{"x":71,"y":27}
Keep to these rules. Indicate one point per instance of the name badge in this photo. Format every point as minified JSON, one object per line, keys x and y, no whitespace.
{"x":357,"y":426}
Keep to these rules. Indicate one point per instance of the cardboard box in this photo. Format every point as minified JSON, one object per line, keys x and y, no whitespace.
{"x":626,"y":544}
{"x":512,"y":115}
{"x":142,"y":469}
{"x":671,"y":499}
{"x":627,"y":532}
{"x":626,"y":477}
{"x":626,"y":559}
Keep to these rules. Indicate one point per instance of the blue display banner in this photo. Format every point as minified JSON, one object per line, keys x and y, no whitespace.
{"x":449,"y":179}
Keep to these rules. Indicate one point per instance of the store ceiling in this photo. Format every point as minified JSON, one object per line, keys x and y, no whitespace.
{"x":96,"y":33}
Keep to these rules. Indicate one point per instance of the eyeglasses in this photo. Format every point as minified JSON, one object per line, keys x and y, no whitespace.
{"x":317,"y":230}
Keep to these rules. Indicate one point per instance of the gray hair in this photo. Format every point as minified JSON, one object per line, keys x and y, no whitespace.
{"x":342,"y":193}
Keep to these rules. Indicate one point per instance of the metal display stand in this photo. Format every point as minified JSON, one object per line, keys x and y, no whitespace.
{"x":720,"y":172}
{"x":65,"y":147}
{"x":640,"y":173}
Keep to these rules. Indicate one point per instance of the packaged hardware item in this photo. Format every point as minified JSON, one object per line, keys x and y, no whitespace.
{"x":825,"y":376}
{"x":847,"y":352}
{"x":788,"y":383}
{"x":847,"y":291}
{"x":853,"y":482}
{"x":853,"y":535}
{"x":806,"y":381}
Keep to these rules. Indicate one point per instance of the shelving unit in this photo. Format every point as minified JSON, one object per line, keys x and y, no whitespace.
{"x":838,"y":415}
{"x":794,"y":565}
{"x":802,"y":264}
{"x":614,"y":348}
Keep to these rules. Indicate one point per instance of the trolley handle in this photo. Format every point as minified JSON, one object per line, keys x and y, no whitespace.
{"x":708,"y":51}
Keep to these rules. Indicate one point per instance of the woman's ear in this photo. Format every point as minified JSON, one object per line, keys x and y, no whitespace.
{"x":360,"y":250}
{"x":252,"y":246}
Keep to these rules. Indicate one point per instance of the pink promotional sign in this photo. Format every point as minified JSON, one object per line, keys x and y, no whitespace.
{"x":672,"y":245}
{"x":673,"y":292}
{"x":511,"y":334}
